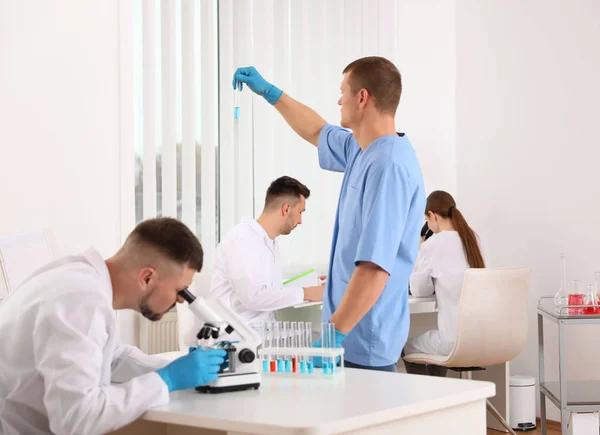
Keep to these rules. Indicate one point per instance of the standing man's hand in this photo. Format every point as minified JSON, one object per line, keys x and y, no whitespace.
{"x":314,"y":294}
{"x":304,"y":121}
{"x":339,"y":337}
{"x":251,"y":77}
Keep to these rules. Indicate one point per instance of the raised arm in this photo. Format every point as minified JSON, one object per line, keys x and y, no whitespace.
{"x":304,"y":121}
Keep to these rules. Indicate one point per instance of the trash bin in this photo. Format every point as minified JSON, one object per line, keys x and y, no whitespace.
{"x":522,"y":402}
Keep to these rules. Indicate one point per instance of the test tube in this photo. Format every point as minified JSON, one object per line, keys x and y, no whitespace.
{"x":282,"y":345}
{"x":286,"y":340}
{"x":309,"y":360}
{"x":237,"y":164}
{"x":294,"y":344}
{"x":332,"y":344}
{"x":328,"y":342}
{"x":274,"y":344}
{"x":236,"y":102}
{"x":325,"y":344}
{"x":266,"y":330}
{"x":301,"y":344}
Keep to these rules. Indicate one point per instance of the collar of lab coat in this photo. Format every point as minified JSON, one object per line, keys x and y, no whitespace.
{"x":258,"y":229}
{"x":95,"y":259}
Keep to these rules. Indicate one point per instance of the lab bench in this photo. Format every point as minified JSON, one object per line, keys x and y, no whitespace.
{"x":354,"y":402}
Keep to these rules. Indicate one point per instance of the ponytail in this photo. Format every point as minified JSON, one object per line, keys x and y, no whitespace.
{"x":468,"y":239}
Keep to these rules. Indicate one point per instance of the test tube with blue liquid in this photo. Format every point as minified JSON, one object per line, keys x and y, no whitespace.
{"x":266,"y":330}
{"x":324,"y":345}
{"x":282,"y":345}
{"x":308,"y":342}
{"x":236,"y":101}
{"x":327,"y":342}
{"x":287,"y":334}
{"x":301,"y":344}
{"x":332,"y":344}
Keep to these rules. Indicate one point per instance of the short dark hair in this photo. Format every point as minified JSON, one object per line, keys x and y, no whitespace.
{"x":172,"y":239}
{"x":285,"y":186}
{"x":380,"y":78}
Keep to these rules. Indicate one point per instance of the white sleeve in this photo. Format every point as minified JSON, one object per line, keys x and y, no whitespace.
{"x":421,"y":282}
{"x":69,"y":337}
{"x":255,"y":291}
{"x":129,"y":362}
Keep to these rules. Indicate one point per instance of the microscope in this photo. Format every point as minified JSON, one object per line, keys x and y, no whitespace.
{"x":241,"y":369}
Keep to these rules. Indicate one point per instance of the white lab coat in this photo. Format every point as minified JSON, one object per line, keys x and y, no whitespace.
{"x":247,"y":275}
{"x":440,"y":268}
{"x":62,"y":369}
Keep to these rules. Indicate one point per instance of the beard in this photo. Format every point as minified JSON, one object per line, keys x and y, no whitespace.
{"x":288,"y":228}
{"x":148,"y":312}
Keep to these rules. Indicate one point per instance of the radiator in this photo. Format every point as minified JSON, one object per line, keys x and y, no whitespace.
{"x":160,"y":336}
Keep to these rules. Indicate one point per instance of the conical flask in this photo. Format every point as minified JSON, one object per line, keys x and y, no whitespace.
{"x":561,"y":298}
{"x":596,"y":287}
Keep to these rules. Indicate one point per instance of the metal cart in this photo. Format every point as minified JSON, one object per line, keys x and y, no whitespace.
{"x":568,"y":396}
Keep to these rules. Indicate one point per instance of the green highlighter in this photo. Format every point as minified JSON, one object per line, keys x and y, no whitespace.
{"x":300,"y":275}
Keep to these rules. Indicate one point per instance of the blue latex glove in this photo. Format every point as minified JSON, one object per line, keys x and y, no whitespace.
{"x":339,"y":337}
{"x":197,"y":368}
{"x":256,"y":83}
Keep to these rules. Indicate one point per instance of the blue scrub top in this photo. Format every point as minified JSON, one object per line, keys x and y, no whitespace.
{"x":379,"y":217}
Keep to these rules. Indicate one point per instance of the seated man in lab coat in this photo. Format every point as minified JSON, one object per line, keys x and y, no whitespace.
{"x":62,"y":368}
{"x":247,"y":271}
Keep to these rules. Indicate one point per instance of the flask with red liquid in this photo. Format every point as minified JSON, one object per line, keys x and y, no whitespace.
{"x":576,"y":298}
{"x":591,"y":301}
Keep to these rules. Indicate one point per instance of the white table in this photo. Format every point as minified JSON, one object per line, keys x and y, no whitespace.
{"x":355,"y":402}
{"x":423,"y":318}
{"x":422,"y":305}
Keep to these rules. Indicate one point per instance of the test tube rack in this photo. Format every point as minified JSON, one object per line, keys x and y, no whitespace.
{"x":272,"y":354}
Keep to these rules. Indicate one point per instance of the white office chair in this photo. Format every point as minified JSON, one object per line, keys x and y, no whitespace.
{"x":492,"y":324}
{"x":21,"y":255}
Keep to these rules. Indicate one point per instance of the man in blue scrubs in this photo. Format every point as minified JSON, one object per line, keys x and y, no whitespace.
{"x":380,"y":209}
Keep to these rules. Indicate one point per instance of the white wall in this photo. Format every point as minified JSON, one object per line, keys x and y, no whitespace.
{"x":59,"y":122}
{"x":528,"y":150}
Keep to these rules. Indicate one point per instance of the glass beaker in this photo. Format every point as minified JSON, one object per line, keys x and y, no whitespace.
{"x":596,"y":286}
{"x":561,"y":298}
{"x":576,"y":298}
{"x":591,"y":303}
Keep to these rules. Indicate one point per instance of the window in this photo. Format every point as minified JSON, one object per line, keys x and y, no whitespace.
{"x":174,"y":138}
